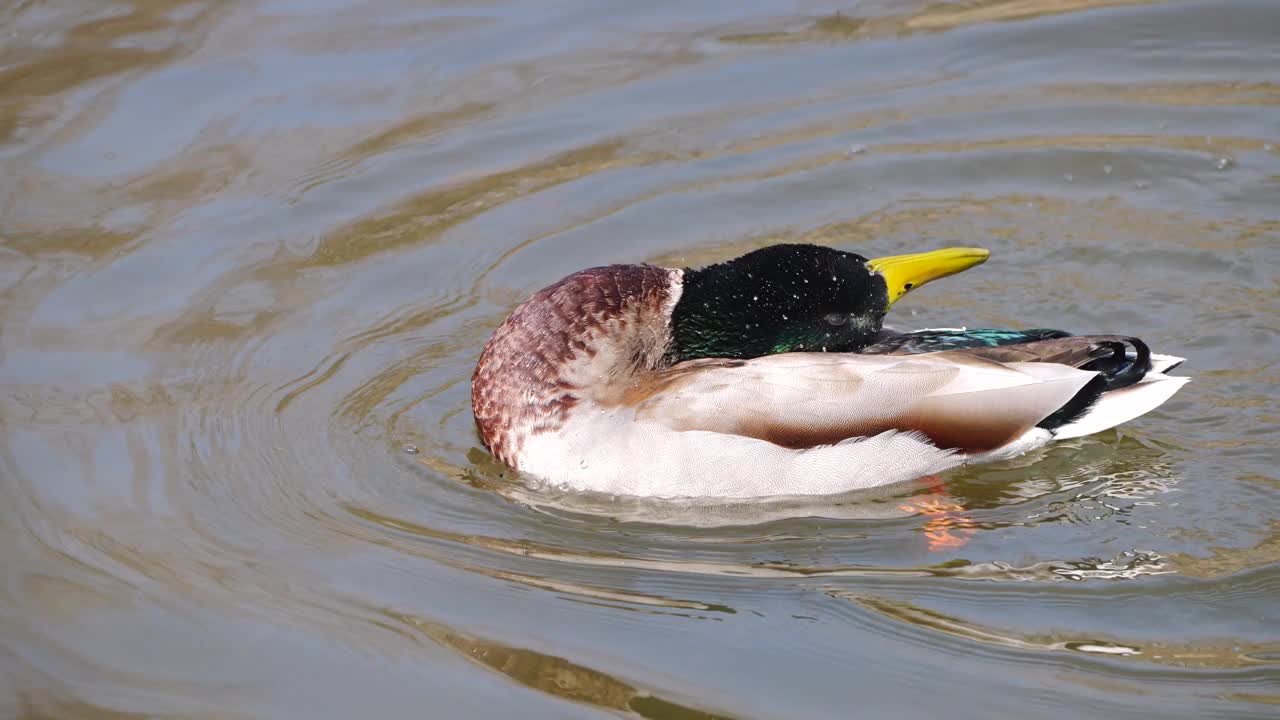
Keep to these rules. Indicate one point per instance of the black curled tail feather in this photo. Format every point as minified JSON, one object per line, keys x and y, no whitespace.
{"x":1120,"y":369}
{"x":1116,"y":369}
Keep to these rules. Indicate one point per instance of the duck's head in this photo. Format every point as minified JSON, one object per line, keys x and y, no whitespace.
{"x":799,"y":298}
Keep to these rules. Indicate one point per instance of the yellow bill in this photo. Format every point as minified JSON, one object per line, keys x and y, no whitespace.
{"x":902,"y":273}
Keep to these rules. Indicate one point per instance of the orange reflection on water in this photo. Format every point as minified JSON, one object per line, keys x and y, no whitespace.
{"x":948,"y":526}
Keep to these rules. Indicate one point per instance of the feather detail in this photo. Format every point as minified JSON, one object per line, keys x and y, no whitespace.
{"x":571,"y":342}
{"x":801,"y":400}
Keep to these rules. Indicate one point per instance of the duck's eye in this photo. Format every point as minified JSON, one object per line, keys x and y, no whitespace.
{"x":836,"y":319}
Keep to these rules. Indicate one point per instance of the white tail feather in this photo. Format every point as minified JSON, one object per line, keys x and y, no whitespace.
{"x":1121,"y":406}
{"x":1164,"y":363}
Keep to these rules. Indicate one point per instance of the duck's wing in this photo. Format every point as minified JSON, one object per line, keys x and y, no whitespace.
{"x":1034,"y":345}
{"x":804,"y":400}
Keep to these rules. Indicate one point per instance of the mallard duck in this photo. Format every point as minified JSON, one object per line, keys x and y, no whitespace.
{"x":772,"y":374}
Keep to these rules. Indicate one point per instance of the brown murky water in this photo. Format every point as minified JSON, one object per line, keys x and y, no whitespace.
{"x":250,"y":251}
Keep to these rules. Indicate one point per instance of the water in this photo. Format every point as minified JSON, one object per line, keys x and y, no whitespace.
{"x":250,"y":251}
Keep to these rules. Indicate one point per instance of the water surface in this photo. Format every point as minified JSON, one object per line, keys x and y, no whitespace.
{"x":250,"y":251}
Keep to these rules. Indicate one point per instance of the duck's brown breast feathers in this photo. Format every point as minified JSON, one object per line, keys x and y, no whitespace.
{"x":589,"y":332}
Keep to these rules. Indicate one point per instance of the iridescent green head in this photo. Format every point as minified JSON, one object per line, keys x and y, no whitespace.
{"x":798,"y":298}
